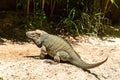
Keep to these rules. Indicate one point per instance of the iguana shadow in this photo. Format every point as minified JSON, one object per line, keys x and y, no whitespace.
{"x":48,"y":59}
{"x":38,"y":57}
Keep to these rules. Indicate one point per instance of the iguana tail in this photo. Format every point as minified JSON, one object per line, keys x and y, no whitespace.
{"x":80,"y":63}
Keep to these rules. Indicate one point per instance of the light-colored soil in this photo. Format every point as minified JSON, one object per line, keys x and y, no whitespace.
{"x":15,"y":66}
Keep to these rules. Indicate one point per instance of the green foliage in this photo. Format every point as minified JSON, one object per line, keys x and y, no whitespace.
{"x":84,"y":18}
{"x":35,"y":21}
{"x":22,"y":4}
{"x":80,"y":22}
{"x":72,"y":16}
{"x":39,"y":17}
{"x":69,"y":24}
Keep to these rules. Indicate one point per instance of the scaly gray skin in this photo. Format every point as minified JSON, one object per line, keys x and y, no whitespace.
{"x":58,"y":48}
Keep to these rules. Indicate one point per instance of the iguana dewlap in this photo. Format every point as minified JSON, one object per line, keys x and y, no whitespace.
{"x":58,"y":48}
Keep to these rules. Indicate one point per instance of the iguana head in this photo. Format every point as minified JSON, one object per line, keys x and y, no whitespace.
{"x":35,"y":34}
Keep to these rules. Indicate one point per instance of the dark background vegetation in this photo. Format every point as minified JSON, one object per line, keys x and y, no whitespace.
{"x":66,"y":17}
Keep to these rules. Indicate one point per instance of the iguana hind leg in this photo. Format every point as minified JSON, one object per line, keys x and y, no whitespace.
{"x":61,"y":55}
{"x":43,"y":52}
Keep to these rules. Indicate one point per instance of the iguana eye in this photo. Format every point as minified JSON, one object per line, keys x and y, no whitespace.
{"x":38,"y":34}
{"x":32,"y":34}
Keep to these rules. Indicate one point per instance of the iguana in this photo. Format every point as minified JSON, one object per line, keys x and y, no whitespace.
{"x":58,"y":48}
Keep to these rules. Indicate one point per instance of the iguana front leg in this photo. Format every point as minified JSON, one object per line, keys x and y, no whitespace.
{"x":43,"y":52}
{"x":61,"y":55}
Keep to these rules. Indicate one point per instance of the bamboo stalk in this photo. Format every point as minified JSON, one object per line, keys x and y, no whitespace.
{"x":43,"y":3}
{"x":28,"y":6}
{"x":42,"y":8}
{"x":52,"y":7}
{"x":105,"y":9}
{"x":34,"y":8}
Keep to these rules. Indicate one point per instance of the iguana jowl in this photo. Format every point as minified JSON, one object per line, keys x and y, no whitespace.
{"x":58,"y":48}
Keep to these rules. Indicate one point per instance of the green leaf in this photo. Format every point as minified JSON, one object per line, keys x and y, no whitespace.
{"x":18,"y":4}
{"x":113,"y":2}
{"x":97,"y":14}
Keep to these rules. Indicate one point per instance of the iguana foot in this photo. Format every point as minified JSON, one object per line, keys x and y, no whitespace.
{"x":43,"y":52}
{"x":61,"y":55}
{"x":57,"y":59}
{"x":51,"y":62}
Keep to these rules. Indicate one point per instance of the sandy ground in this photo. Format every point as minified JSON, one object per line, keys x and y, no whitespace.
{"x":14,"y":65}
